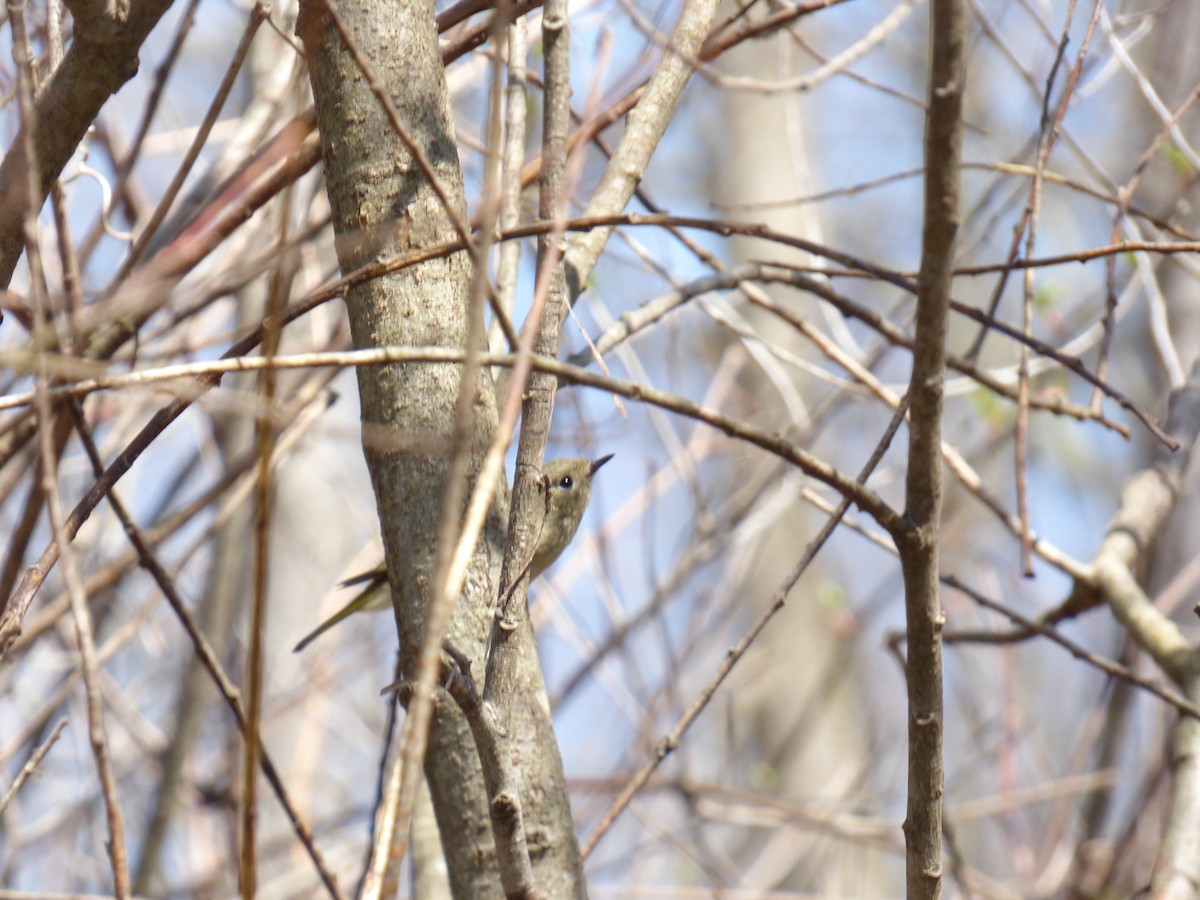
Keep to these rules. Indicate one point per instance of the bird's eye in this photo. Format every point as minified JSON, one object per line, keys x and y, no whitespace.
{"x":566,"y":482}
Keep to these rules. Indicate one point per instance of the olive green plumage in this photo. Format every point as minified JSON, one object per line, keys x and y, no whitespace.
{"x":570,"y":483}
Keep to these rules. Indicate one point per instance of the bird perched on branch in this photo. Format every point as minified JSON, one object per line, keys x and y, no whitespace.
{"x":570,"y":484}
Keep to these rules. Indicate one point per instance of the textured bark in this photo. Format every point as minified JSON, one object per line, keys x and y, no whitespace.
{"x":515,"y":687}
{"x":383,"y":203}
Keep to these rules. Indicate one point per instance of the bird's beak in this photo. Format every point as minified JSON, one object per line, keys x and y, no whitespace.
{"x":596,"y":464}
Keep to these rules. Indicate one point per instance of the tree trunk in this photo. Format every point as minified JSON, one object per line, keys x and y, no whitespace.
{"x":384,"y":204}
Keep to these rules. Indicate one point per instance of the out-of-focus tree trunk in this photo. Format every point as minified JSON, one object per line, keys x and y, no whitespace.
{"x":807,"y":719}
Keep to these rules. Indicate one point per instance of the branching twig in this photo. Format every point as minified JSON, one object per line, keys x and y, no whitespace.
{"x":671,"y":740}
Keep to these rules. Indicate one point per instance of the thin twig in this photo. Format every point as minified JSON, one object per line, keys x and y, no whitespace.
{"x":778,"y":600}
{"x":265,"y":440}
{"x":84,"y":636}
{"x":31,"y":764}
{"x":258,"y":14}
{"x":208,"y":658}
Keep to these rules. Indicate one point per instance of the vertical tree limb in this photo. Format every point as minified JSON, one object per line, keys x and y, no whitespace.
{"x":384,"y":203}
{"x":538,"y":815}
{"x":917,"y":538}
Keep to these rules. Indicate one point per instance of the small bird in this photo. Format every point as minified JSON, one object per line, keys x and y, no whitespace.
{"x":570,"y":482}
